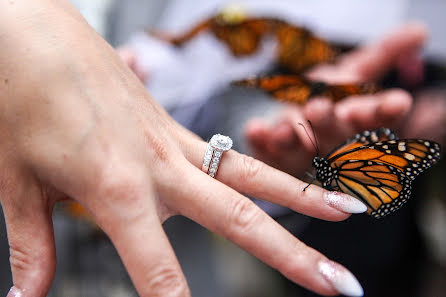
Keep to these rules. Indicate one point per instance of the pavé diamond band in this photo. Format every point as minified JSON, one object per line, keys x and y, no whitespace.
{"x":215,"y":149}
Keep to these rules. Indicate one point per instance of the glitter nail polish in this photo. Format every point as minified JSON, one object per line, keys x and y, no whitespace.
{"x":340,"y":278}
{"x":14,"y":292}
{"x":344,"y":202}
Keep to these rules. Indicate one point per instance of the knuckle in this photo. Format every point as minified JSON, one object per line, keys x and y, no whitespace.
{"x":249,"y":168}
{"x":166,"y":280}
{"x":122,"y":186}
{"x":301,"y":258}
{"x":117,"y":184}
{"x":244,"y":216}
{"x":116,"y":177}
{"x":25,"y":258}
{"x":19,"y":258}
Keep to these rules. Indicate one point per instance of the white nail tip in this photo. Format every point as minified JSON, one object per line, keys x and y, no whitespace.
{"x":340,"y":278}
{"x":344,"y":202}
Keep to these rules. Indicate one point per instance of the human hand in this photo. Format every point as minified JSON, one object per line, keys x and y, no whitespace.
{"x":75,"y":123}
{"x":285,"y":145}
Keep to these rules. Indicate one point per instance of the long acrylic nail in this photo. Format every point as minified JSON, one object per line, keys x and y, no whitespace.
{"x":340,"y":278}
{"x":344,"y":202}
{"x":14,"y":292}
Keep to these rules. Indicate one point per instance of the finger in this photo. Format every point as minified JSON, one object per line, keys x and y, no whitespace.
{"x":294,"y":118}
{"x":255,"y":178}
{"x":320,"y":112}
{"x":369,"y":112}
{"x":370,"y":62}
{"x":226,"y":212}
{"x":327,"y":128}
{"x":129,"y":217}
{"x":283,"y":136}
{"x":250,"y":176}
{"x":410,"y":68}
{"x":31,"y":240}
{"x":262,"y":137}
{"x":256,"y":133}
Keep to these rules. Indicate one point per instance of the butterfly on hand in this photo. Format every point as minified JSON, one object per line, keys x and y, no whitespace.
{"x":297,"y":89}
{"x":377,"y":168}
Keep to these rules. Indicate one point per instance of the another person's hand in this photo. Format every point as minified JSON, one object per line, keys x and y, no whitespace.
{"x":427,"y":119}
{"x":128,"y":55}
{"x":76,"y":123}
{"x":285,"y":145}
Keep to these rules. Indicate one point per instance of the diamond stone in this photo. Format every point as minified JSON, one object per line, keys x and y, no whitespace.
{"x":221,"y":142}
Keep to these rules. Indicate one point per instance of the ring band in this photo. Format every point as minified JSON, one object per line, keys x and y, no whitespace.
{"x":214,"y":151}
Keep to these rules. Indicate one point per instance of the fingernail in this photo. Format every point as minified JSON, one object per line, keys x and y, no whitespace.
{"x":14,"y":292}
{"x":340,"y":278}
{"x":344,"y":202}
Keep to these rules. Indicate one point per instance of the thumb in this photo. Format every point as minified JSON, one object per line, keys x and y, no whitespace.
{"x":31,"y":241}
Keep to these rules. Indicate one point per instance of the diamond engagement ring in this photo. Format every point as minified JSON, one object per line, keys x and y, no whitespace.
{"x":216,"y":147}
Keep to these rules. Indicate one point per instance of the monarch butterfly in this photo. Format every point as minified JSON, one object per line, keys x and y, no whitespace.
{"x":297,"y":89}
{"x":241,"y":35}
{"x":376,"y":168}
{"x":299,"y":48}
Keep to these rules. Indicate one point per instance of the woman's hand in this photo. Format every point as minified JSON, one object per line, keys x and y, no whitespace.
{"x":285,"y":145}
{"x":76,"y":123}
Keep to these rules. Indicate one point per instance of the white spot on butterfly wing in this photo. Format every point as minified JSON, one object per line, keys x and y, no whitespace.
{"x":409,"y":157}
{"x":401,"y":146}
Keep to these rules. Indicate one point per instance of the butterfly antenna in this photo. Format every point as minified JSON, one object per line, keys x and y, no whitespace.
{"x":309,"y":184}
{"x":314,"y":143}
{"x":314,"y":136}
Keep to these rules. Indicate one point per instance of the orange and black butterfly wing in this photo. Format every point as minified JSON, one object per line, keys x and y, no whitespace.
{"x":299,"y":49}
{"x":243,"y":38}
{"x":380,"y":173}
{"x":364,"y":138}
{"x":288,"y":88}
{"x":179,"y":40}
{"x":341,"y":91}
{"x":383,"y":189}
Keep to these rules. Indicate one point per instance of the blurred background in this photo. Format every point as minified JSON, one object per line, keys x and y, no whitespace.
{"x":403,"y":255}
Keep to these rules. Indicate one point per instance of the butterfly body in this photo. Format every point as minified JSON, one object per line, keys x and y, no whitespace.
{"x":376,"y":168}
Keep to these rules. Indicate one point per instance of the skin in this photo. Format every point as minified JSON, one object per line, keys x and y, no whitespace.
{"x":76,"y":123}
{"x":284,"y":144}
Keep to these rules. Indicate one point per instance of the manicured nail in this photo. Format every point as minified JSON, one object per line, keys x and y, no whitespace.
{"x":14,"y":292}
{"x":344,"y":202}
{"x":340,"y":278}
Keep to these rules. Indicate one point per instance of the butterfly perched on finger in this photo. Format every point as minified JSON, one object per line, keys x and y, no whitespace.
{"x":377,"y":168}
{"x":298,"y":89}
